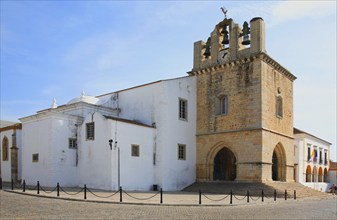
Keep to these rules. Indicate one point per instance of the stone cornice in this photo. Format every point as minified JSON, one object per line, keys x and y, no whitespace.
{"x":11,"y":127}
{"x":244,"y":130}
{"x":261,"y":56}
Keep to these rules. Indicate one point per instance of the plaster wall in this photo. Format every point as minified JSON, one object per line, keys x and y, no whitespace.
{"x":6,"y":165}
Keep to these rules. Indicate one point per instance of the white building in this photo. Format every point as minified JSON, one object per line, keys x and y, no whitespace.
{"x":152,"y":125}
{"x":311,"y":160}
{"x":10,"y":151}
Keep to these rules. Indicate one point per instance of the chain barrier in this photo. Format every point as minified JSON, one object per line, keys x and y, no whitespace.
{"x":71,"y":194}
{"x":141,"y":198}
{"x":215,"y":200}
{"x":239,"y":198}
{"x":252,"y":198}
{"x":17,"y":187}
{"x":46,"y":191}
{"x":103,"y":197}
{"x":27,"y":187}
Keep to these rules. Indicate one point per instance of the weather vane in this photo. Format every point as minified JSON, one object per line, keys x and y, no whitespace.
{"x":224,"y":11}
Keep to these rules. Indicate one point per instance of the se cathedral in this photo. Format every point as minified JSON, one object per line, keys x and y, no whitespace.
{"x":230,"y":119}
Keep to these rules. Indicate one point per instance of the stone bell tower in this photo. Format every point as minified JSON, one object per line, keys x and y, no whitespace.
{"x":244,"y":107}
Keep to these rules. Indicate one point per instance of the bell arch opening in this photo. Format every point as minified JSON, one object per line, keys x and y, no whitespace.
{"x":279,"y":164}
{"x":224,"y":165}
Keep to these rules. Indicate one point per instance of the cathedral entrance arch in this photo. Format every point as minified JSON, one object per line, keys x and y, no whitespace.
{"x":224,"y":165}
{"x":279,"y":163}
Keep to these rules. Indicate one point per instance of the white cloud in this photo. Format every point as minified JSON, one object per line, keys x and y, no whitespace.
{"x":293,"y":10}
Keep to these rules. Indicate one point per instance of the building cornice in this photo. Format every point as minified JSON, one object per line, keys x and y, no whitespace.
{"x":261,"y":56}
{"x":11,"y":127}
{"x":244,"y":130}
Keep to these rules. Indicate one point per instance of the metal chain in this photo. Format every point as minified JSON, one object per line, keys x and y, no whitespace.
{"x":46,"y":191}
{"x":102,"y":196}
{"x":239,"y":198}
{"x":35,"y":188}
{"x":141,"y":198}
{"x":215,"y":200}
{"x":71,"y":194}
{"x":255,"y":199}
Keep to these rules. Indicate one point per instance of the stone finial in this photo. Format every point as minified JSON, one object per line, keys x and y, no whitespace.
{"x":82,"y":94}
{"x":54,"y":105}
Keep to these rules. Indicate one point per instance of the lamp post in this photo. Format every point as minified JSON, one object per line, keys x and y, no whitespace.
{"x":118,"y":152}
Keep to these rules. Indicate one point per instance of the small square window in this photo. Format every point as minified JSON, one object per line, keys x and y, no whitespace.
{"x":183,"y":109}
{"x":72,"y":143}
{"x":181,"y":152}
{"x":35,"y":158}
{"x":90,"y":131}
{"x":135,"y":150}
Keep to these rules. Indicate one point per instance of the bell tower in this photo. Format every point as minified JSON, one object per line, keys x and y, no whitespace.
{"x":244,"y":107}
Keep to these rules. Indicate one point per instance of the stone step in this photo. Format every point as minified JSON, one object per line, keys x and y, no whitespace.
{"x":255,"y":189}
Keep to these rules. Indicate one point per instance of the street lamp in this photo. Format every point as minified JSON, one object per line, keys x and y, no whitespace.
{"x":119,"y":176}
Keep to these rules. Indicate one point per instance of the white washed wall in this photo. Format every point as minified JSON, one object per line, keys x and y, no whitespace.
{"x":48,"y":136}
{"x":98,"y":164}
{"x":178,"y":174}
{"x":159,"y":103}
{"x":36,"y":138}
{"x":94,"y":163}
{"x":6,"y":165}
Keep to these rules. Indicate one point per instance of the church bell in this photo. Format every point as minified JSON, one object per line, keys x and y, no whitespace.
{"x":225,"y":40}
{"x":245,"y":40}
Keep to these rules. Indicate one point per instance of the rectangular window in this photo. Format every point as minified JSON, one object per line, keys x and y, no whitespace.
{"x":309,"y":155}
{"x":320,"y":157}
{"x":90,"y":131}
{"x":35,"y":158}
{"x":135,"y":150}
{"x":181,"y":152}
{"x":72,"y":143}
{"x":224,"y":105}
{"x":325,"y":159}
{"x":279,"y":106}
{"x":182,"y":109}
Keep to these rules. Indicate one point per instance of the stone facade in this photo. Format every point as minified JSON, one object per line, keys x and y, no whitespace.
{"x":257,"y":124}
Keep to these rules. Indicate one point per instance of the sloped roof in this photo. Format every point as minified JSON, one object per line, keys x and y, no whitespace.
{"x":333,"y":166}
{"x":298,"y":131}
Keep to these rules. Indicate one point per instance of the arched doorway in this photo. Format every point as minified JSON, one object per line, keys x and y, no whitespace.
{"x":326,"y":175}
{"x":314,"y":176}
{"x":278,"y":164}
{"x":308,"y":174}
{"x":320,"y":175}
{"x":224,"y":165}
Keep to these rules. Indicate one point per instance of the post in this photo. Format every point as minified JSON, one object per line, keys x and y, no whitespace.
{"x":247,"y":196}
{"x":58,"y":189}
{"x":262,"y":195}
{"x":231,"y":199}
{"x":0,"y":183}
{"x":120,"y":194}
{"x":119,"y":168}
{"x":24,"y":186}
{"x":12,"y":184}
{"x":285,"y":194}
{"x":85,"y":191}
{"x":294,"y":194}
{"x":161,"y":195}
{"x":38,"y":187}
{"x":199,"y":197}
{"x":274,"y":194}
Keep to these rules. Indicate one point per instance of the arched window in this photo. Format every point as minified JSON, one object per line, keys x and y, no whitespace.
{"x":279,"y":106}
{"x":5,"y":149}
{"x":221,"y":103}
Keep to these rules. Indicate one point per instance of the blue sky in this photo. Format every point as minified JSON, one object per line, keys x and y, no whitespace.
{"x":56,"y":49}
